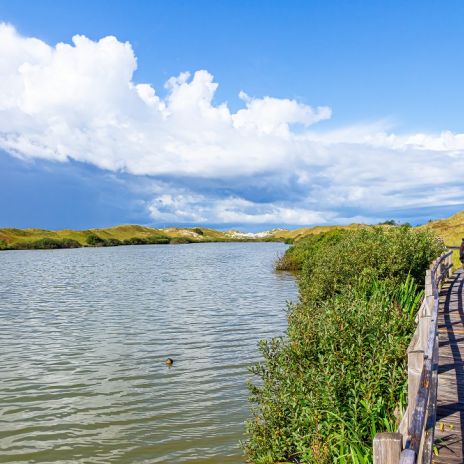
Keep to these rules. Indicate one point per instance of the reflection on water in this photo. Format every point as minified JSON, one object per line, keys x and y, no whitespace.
{"x":84,"y":335}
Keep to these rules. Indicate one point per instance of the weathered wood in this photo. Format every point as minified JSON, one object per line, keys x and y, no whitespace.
{"x":428,"y":293}
{"x":387,"y":448}
{"x":424,"y":331}
{"x":408,"y":456}
{"x":450,"y":398}
{"x":427,"y":451}
{"x":415,"y":365}
{"x":424,"y":368}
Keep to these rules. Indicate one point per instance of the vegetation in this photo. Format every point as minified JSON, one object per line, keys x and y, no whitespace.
{"x":295,"y":256}
{"x":295,"y":235}
{"x":336,"y":378}
{"x":113,"y":236}
{"x":451,"y":229}
{"x":43,"y":244}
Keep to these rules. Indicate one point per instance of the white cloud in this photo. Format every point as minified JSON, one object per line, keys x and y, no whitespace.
{"x":188,"y":208}
{"x":79,"y":101}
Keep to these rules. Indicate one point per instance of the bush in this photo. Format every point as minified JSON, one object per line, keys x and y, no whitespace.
{"x":47,"y":244}
{"x":333,"y":264}
{"x":181,"y":240}
{"x":95,"y":240}
{"x":198,"y":231}
{"x":296,"y":255}
{"x":158,"y":240}
{"x":112,"y":242}
{"x":335,"y":379}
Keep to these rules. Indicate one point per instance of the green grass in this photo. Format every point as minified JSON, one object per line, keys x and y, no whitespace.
{"x":450,"y":230}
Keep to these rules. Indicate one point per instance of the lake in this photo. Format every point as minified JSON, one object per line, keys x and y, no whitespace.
{"x":84,"y":335}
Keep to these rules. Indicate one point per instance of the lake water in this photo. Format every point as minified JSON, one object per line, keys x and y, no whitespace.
{"x":84,"y":335}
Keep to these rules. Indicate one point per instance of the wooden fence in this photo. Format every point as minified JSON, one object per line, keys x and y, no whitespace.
{"x":413,"y":442}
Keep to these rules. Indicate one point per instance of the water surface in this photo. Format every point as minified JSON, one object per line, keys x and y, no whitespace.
{"x":83,"y":338}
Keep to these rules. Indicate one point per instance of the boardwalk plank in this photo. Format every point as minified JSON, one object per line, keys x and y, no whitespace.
{"x":449,"y":429}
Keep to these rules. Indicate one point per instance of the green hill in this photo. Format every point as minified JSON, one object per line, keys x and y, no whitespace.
{"x":295,"y":235}
{"x":118,"y":235}
{"x":451,"y":230}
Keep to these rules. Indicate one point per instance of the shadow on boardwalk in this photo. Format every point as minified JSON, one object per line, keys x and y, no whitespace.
{"x":449,"y":429}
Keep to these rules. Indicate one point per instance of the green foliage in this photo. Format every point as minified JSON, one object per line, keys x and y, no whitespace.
{"x":153,"y":240}
{"x":158,"y":240}
{"x":113,"y":242}
{"x":198,"y":231}
{"x":386,"y":253}
{"x":95,"y":240}
{"x":181,"y":240}
{"x":135,"y":241}
{"x":294,"y":258}
{"x":47,"y":244}
{"x":325,"y":389}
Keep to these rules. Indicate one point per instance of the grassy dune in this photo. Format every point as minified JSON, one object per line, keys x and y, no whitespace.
{"x":12,"y":238}
{"x":451,"y":230}
{"x":16,"y":237}
{"x":295,"y":235}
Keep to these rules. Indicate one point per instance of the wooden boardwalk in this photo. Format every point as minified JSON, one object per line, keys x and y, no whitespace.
{"x":449,"y":428}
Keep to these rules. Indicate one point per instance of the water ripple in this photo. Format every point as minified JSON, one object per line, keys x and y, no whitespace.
{"x":84,"y":335}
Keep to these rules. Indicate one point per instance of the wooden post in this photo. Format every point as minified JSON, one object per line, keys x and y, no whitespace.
{"x":428,"y":293}
{"x":387,"y":448}
{"x":450,"y":263}
{"x":408,"y":456}
{"x":415,"y":365}
{"x":423,"y":327}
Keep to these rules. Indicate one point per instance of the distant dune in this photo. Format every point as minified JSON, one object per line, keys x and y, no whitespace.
{"x":450,"y":229}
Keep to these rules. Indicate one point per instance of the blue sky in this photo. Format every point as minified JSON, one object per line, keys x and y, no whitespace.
{"x":324,"y":112}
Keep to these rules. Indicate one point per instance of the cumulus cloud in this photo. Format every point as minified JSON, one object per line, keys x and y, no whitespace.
{"x":266,"y":163}
{"x":190,"y":208}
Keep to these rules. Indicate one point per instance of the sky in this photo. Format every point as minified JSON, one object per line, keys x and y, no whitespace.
{"x":233,"y":114}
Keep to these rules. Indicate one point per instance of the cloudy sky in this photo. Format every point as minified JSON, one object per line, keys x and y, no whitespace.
{"x":230,"y":114}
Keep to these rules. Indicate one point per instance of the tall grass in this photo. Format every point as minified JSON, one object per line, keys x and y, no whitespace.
{"x":337,"y":377}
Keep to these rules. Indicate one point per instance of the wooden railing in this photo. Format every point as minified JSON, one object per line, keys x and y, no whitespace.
{"x":413,"y":442}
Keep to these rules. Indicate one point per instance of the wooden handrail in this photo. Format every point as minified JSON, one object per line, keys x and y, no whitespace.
{"x":418,"y":423}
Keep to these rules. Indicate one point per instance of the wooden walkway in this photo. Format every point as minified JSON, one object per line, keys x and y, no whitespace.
{"x":449,"y":428}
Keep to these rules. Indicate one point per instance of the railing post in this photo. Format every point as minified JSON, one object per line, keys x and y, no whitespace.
{"x":419,"y":418}
{"x":429,"y":300}
{"x":415,"y":364}
{"x":387,"y":448}
{"x":408,"y":456}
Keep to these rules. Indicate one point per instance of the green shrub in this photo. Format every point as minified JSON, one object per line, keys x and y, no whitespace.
{"x":181,"y":240}
{"x":95,"y":240}
{"x":113,"y":242}
{"x":332,"y":265}
{"x":47,"y":244}
{"x":70,"y":243}
{"x":158,"y":240}
{"x":335,"y":379}
{"x":198,"y":231}
{"x":296,"y":255}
